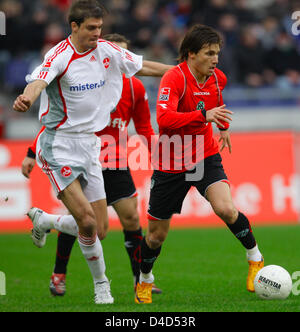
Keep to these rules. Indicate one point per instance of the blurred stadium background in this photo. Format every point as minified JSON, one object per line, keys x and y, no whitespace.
{"x":261,"y":57}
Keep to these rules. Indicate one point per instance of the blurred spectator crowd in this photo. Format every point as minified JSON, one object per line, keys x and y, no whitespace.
{"x":259,"y":46}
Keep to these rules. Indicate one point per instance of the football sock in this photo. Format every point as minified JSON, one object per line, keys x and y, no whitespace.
{"x":47,"y":221}
{"x":254,"y":254}
{"x":93,"y":253}
{"x":62,"y":223}
{"x":149,"y":256}
{"x":65,"y":244}
{"x":66,"y":224}
{"x":133,"y":241}
{"x":148,"y":278}
{"x":243,"y":232}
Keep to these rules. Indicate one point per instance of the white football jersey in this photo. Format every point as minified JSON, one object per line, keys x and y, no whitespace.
{"x":83,"y":88}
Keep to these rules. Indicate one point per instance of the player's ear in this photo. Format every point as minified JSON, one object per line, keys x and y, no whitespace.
{"x":74,"y":26}
{"x":192,"y":55}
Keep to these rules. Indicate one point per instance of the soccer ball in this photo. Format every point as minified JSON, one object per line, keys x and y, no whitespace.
{"x":273,"y":283}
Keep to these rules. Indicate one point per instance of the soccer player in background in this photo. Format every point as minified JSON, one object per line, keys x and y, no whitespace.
{"x":119,"y":186}
{"x":81,"y":94}
{"x":189,"y":101}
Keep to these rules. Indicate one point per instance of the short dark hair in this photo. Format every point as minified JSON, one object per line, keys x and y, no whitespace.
{"x":116,"y":38}
{"x":197,"y":37}
{"x":80,"y":10}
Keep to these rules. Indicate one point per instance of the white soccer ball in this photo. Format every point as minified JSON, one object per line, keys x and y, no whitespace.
{"x":273,"y":283}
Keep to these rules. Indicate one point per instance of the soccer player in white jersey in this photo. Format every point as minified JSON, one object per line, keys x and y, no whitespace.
{"x":82,"y":77}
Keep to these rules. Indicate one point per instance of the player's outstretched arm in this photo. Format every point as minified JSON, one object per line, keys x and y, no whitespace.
{"x":151,"y":68}
{"x":29,"y":96}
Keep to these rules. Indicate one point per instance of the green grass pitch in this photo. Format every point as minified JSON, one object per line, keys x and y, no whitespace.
{"x":199,"y":270}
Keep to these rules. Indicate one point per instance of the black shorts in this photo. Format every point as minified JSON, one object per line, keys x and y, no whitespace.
{"x":118,"y":185}
{"x":168,"y":190}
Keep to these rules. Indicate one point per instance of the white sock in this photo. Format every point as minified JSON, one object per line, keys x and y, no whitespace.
{"x":66,"y":224}
{"x":147,"y":277}
{"x":254,"y":254}
{"x":47,"y":221}
{"x":93,"y":253}
{"x":62,"y":223}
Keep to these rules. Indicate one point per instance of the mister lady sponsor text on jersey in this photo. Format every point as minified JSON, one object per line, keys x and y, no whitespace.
{"x":87,"y":86}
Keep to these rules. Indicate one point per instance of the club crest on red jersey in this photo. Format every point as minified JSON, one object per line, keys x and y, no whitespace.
{"x":164,"y":94}
{"x":66,"y":171}
{"x":200,"y":106}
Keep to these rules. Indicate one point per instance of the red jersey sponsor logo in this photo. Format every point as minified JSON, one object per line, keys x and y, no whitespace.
{"x":164,"y":94}
{"x":118,"y":123}
{"x":66,"y":171}
{"x":106,"y":63}
{"x":204,"y":93}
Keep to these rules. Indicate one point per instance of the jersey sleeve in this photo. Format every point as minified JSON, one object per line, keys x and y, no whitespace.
{"x":141,"y":112}
{"x":52,"y":66}
{"x":129,"y":63}
{"x":171,"y":90}
{"x":31,"y":77}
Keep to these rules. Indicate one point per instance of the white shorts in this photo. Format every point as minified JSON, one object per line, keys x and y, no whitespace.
{"x":67,"y":157}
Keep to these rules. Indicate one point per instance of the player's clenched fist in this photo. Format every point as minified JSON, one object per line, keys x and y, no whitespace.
{"x":22,"y":104}
{"x":27,"y":166}
{"x":219,"y":114}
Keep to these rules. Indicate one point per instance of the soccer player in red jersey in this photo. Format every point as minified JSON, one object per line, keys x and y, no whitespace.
{"x":189,"y":100}
{"x":119,"y":186}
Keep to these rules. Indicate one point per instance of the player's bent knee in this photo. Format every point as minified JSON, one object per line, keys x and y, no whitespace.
{"x":156,"y":239}
{"x":87,"y":229}
{"x":228,"y":213}
{"x":87,"y":224}
{"x":102,"y":229}
{"x":131,"y":222}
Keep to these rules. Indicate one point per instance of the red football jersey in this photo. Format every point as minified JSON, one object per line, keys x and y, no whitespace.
{"x":181,"y":118}
{"x":132,"y":105}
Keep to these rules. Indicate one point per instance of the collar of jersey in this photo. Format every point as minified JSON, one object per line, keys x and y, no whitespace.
{"x":78,"y":53}
{"x":192,"y":76}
